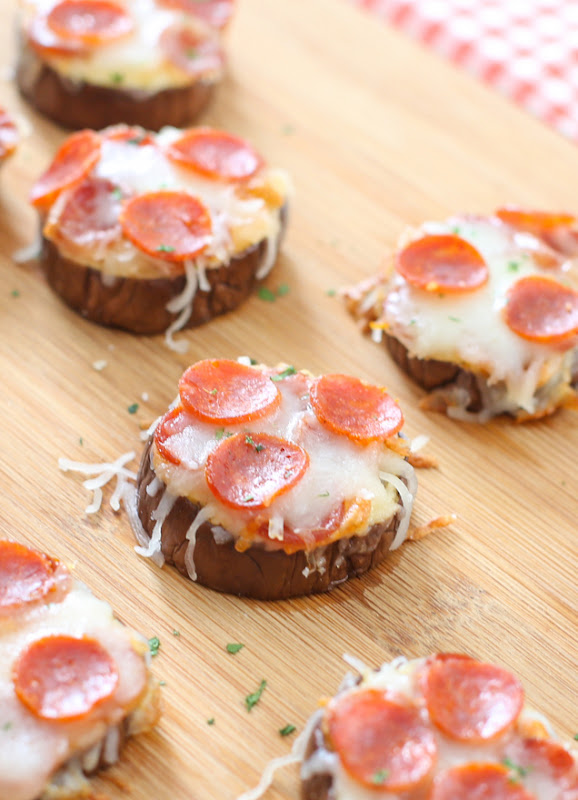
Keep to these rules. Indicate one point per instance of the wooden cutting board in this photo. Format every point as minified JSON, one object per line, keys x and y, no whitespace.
{"x":376,"y":133}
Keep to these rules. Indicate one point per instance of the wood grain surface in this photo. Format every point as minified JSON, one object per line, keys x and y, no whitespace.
{"x":376,"y":133}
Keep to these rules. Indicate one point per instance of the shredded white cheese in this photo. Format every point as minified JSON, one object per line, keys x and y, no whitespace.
{"x":182,"y":302}
{"x":103,"y":473}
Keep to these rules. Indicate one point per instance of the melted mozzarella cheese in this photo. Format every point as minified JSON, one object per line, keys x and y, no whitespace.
{"x":134,"y":62}
{"x":468,"y":328}
{"x":139,"y":169}
{"x":399,"y":678}
{"x":339,"y":470}
{"x":31,"y":750}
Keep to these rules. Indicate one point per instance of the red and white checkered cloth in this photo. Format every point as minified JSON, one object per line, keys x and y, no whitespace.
{"x":527,"y":49}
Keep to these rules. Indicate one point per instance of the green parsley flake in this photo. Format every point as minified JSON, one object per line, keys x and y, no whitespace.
{"x":81,"y":441}
{"x":165,"y":248}
{"x":154,"y":645}
{"x":380,"y":776}
{"x":211,"y":721}
{"x":221,"y":433}
{"x":253,"y":361}
{"x":117,"y":193}
{"x":288,"y":129}
{"x":192,"y":52}
{"x":176,"y":633}
{"x":133,"y":408}
{"x":513,"y":266}
{"x":7,"y":726}
{"x":252,"y":699}
{"x":283,"y":290}
{"x":456,"y":230}
{"x":287,"y":730}
{"x":162,"y":683}
{"x":576,"y":737}
{"x":117,"y":77}
{"x":331,"y":292}
{"x":258,"y":447}
{"x":266,"y":294}
{"x":234,"y":647}
{"x":323,"y":494}
{"x":454,"y":319}
{"x":412,"y":321}
{"x":516,"y":770}
{"x":285,"y":374}
{"x":248,"y":499}
{"x":213,"y":392}
{"x":137,"y":139}
{"x":15,"y":292}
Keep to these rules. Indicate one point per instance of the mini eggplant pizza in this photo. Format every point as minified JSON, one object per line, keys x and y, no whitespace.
{"x":270,"y":483}
{"x":9,"y":136}
{"x":155,"y":232}
{"x":74,"y":681}
{"x":447,"y":727}
{"x":93,"y":63}
{"x":482,"y":312}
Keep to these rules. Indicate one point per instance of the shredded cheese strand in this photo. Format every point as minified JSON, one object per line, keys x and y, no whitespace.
{"x":182,"y":302}
{"x":103,"y":473}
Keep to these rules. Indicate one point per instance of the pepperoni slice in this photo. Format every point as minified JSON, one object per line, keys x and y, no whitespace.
{"x":193,"y":54}
{"x":542,"y":310}
{"x":216,"y":154}
{"x":478,"y":782}
{"x":72,"y":162}
{"x":215,"y":13}
{"x":64,"y":678}
{"x":25,"y":575}
{"x":382,"y":744}
{"x":361,"y":411}
{"x":443,"y":263}
{"x":128,"y":134}
{"x":46,"y":43}
{"x":90,"y":215}
{"x":90,"y":22}
{"x":8,"y":134}
{"x":225,"y":392}
{"x":174,"y":226}
{"x":469,"y":700}
{"x":537,"y":222}
{"x":182,"y":449}
{"x":248,"y":471}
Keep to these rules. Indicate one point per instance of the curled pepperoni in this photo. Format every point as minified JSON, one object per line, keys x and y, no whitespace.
{"x":542,"y":310}
{"x":90,"y":22}
{"x":174,"y":226}
{"x":90,"y":215}
{"x":216,"y":154}
{"x":226,"y":392}
{"x":64,"y":678}
{"x":72,"y":162}
{"x":128,"y":134}
{"x":25,"y":575}
{"x":8,"y":134}
{"x":536,"y":222}
{"x":442,"y":263}
{"x":382,"y":744}
{"x":361,"y":411}
{"x":193,"y":54}
{"x":469,"y":700}
{"x":215,"y":13}
{"x":248,"y":471}
{"x":478,"y":782}
{"x":175,"y":439}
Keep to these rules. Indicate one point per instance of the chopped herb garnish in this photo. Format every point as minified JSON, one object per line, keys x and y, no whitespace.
{"x":283,"y":290}
{"x":133,"y":408}
{"x":211,"y":721}
{"x":213,"y":391}
{"x":253,"y":361}
{"x":380,"y":776}
{"x":288,"y":129}
{"x":162,"y":683}
{"x":516,"y":770}
{"x":266,"y":294}
{"x":192,"y":52}
{"x":165,"y":248}
{"x":412,"y":321}
{"x":137,"y":139}
{"x":323,"y":494}
{"x":287,"y":730}
{"x":154,"y":645}
{"x":456,"y":230}
{"x":248,"y":498}
{"x":513,"y":266}
{"x":331,"y":292}
{"x":81,"y":441}
{"x":117,"y":193}
{"x":221,"y":433}
{"x":117,"y":77}
{"x":258,"y":447}
{"x":252,"y":699}
{"x":234,"y":647}
{"x":15,"y":292}
{"x":285,"y":374}
{"x":7,"y":726}
{"x":576,"y":737}
{"x":176,"y":632}
{"x":454,"y":319}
